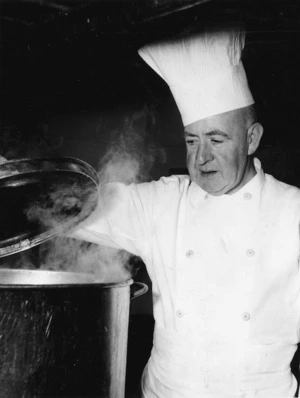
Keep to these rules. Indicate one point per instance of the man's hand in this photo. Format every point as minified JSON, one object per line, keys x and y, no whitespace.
{"x":2,"y":160}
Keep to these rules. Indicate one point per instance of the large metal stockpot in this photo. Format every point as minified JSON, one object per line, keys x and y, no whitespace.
{"x":62,"y":334}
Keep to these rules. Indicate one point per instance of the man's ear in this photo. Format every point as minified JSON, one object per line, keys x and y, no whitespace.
{"x":255,"y":132}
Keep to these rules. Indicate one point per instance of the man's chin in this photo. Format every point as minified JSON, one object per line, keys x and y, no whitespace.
{"x":212,"y":190}
{"x":216,"y":193}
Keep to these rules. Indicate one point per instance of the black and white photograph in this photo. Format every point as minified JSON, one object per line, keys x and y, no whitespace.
{"x":149,"y":198}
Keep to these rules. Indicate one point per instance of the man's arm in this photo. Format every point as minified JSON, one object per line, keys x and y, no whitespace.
{"x":119,"y":220}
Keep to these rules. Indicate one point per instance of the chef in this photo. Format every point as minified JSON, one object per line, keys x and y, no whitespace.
{"x":221,"y":245}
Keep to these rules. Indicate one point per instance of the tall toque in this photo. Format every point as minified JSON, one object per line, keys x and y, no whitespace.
{"x":204,"y":72}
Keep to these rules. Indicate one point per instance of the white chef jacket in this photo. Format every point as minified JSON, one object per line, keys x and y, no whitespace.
{"x":225,"y":280}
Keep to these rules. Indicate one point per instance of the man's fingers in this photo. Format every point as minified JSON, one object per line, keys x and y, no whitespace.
{"x":2,"y":159}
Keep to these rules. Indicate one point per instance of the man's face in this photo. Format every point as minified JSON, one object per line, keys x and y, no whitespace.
{"x":217,"y":153}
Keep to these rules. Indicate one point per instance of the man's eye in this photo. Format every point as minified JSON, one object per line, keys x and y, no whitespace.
{"x":216,"y":141}
{"x":191,"y":142}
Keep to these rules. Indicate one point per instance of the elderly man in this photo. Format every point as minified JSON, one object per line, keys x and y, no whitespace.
{"x":221,"y":245}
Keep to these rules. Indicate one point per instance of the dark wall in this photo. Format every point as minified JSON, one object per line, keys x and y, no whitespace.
{"x":70,"y":75}
{"x":71,"y":79}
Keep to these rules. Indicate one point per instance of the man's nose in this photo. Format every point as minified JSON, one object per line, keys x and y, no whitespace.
{"x":204,"y":154}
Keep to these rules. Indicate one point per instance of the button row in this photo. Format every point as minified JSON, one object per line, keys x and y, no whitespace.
{"x":247,"y":196}
{"x":245,"y":316}
{"x":249,"y":253}
{"x":179,"y":313}
{"x":189,"y":253}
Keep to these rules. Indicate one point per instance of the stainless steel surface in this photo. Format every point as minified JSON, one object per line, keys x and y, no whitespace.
{"x":63,"y":334}
{"x":41,"y":277}
{"x":22,"y":171}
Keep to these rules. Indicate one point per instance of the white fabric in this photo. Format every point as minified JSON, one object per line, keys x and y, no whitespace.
{"x":226,"y":283}
{"x":204,"y":72}
{"x":186,"y":367}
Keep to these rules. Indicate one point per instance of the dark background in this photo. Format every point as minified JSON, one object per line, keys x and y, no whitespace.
{"x":70,"y":73}
{"x":71,"y":80}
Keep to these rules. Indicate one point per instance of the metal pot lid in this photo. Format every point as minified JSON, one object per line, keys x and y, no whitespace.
{"x":41,"y":198}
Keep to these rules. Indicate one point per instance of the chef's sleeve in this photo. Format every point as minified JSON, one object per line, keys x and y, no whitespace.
{"x":121,"y":219}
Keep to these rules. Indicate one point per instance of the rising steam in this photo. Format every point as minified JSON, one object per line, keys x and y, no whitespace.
{"x":63,"y":205}
{"x":132,"y":152}
{"x":129,"y":158}
{"x":66,"y":254}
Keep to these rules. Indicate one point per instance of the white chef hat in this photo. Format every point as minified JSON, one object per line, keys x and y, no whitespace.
{"x":204,"y":72}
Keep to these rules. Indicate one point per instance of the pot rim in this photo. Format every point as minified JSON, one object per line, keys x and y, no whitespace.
{"x":84,"y":279}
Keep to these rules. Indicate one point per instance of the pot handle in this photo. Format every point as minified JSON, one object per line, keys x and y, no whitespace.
{"x":137,"y":289}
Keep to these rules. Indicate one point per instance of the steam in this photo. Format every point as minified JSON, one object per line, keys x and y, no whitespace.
{"x":107,"y":265}
{"x":66,"y":254}
{"x":63,"y":206}
{"x":129,"y":158}
{"x":131,"y":153}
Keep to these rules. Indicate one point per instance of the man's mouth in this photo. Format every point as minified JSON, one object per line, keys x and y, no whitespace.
{"x":208,"y":172}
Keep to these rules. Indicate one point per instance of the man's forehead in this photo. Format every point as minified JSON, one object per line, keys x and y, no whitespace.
{"x":208,"y":133}
{"x":208,"y":126}
{"x":223,"y":123}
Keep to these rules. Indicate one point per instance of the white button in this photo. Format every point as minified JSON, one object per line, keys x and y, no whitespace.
{"x":206,"y":196}
{"x":179,"y":313}
{"x":247,"y":196}
{"x":189,"y":253}
{"x":250,"y":253}
{"x":246,"y":316}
